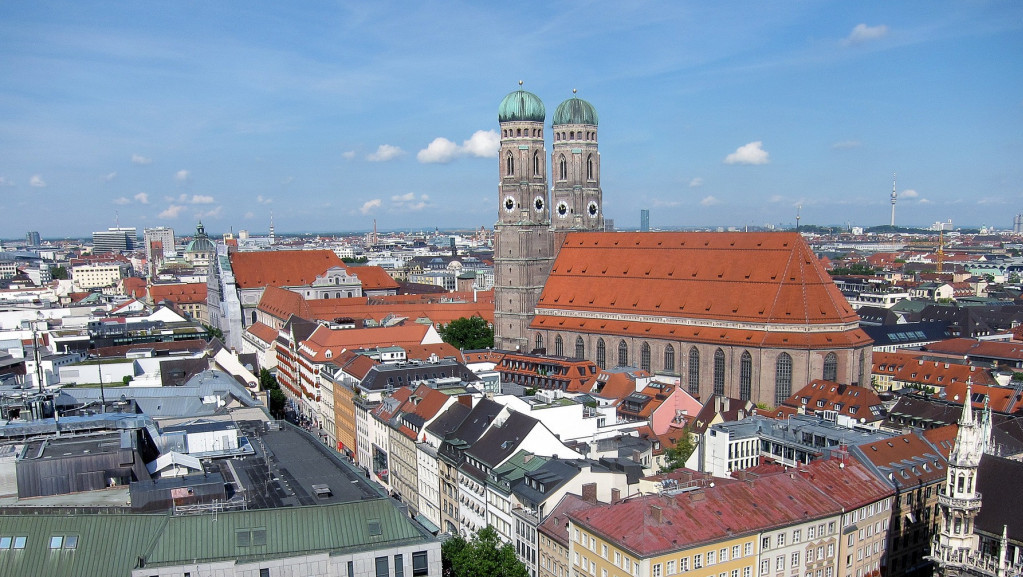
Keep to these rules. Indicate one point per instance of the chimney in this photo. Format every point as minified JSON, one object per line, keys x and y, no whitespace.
{"x":590,"y":493}
{"x":657,"y":513}
{"x":616,"y":494}
{"x":727,"y":403}
{"x":717,"y":403}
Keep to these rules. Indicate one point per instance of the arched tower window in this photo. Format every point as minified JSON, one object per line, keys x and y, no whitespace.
{"x":669,"y":359}
{"x":559,"y":346}
{"x":719,"y":372}
{"x":562,"y":169}
{"x":623,"y":354}
{"x":644,"y":357}
{"x":580,"y":348}
{"x":539,"y":341}
{"x":536,"y":163}
{"x":601,"y":354}
{"x":694,"y":371}
{"x":782,"y":379}
{"x":831,"y":367}
{"x":510,"y":162}
{"x":589,"y":167}
{"x":745,"y":376}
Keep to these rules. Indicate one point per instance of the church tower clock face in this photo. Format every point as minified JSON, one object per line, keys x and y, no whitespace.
{"x":592,"y":209}
{"x":509,"y":203}
{"x":562,"y":209}
{"x":538,"y":204}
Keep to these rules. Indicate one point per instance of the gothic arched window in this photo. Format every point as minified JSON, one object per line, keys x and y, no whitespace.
{"x":536,"y":164}
{"x":601,"y":354}
{"x":782,"y":379}
{"x":831,"y":367}
{"x":559,"y":346}
{"x":580,"y":348}
{"x":745,"y":376}
{"x":539,"y":341}
{"x":694,"y":371}
{"x":623,"y":354}
{"x":669,"y":359}
{"x":510,"y":165}
{"x":719,"y":372}
{"x":644,"y":357}
{"x":562,"y":169}
{"x":589,"y":167}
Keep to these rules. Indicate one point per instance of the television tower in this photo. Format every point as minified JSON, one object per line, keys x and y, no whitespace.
{"x":894,"y":196}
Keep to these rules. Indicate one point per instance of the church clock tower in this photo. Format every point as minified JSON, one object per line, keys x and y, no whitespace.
{"x":523,"y":241}
{"x":577,"y":201}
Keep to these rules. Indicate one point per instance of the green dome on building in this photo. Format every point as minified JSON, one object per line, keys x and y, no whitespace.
{"x":575,"y":111}
{"x":521,"y":106}
{"x":201,"y":243}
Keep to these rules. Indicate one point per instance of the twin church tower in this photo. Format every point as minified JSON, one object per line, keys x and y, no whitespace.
{"x":532,"y":222}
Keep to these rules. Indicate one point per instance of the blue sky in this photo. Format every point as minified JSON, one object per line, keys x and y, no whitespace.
{"x":324,"y":113}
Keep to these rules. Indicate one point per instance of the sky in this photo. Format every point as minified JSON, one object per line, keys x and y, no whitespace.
{"x":330,"y":115}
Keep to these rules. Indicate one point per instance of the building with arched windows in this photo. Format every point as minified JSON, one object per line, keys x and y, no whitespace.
{"x":745,"y":315}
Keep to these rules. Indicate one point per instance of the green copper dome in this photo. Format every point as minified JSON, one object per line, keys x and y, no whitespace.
{"x":575,"y":111}
{"x":521,"y":106}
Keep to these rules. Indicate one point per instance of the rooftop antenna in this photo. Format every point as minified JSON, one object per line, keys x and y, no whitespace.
{"x":117,"y":219}
{"x":894,"y":197}
{"x":798,"y":208}
{"x":271,"y":227}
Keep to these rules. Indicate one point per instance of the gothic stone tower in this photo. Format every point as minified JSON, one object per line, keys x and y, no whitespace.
{"x":959,"y":502}
{"x":575,"y":162}
{"x":523,"y":240}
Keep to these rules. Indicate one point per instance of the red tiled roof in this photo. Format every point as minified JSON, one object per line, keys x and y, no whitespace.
{"x":180,"y":293}
{"x":134,"y":286}
{"x":851,"y":401}
{"x":263,"y":332}
{"x":910,"y":458}
{"x":423,"y":352}
{"x":373,"y":278}
{"x":325,"y":339}
{"x":739,"y":277}
{"x":281,"y":267}
{"x":909,"y":367}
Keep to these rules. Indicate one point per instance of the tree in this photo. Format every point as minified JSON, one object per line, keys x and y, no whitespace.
{"x":468,"y":333}
{"x":277,"y":403}
{"x":676,"y":457}
{"x":213,"y":332}
{"x":484,"y":554}
{"x":58,"y":273}
{"x":267,"y":381}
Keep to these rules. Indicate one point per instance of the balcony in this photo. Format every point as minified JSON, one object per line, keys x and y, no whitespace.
{"x":961,"y":504}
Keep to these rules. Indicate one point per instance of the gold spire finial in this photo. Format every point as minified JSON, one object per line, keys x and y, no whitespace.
{"x":574,"y":91}
{"x":520,"y":83}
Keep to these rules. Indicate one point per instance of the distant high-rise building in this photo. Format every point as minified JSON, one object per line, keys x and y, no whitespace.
{"x":32,"y":238}
{"x":114,"y":239}
{"x":609,"y":225}
{"x":159,"y":244}
{"x":1017,"y":224}
{"x":644,"y":220}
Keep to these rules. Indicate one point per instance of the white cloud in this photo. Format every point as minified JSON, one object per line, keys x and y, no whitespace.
{"x":142,"y":198}
{"x":384,"y":153}
{"x":846,"y":144}
{"x":696,"y":182}
{"x":173,"y":211}
{"x":110,"y":176}
{"x":4,"y":181}
{"x":440,"y":151}
{"x":776,"y":198}
{"x":924,"y":201}
{"x":182,"y":175}
{"x":864,"y":33}
{"x":121,"y":200}
{"x":482,"y":144}
{"x":752,"y":153}
{"x":212,"y":213}
{"x":658,"y":203}
{"x":370,"y":205}
{"x":409,"y":202}
{"x":139,"y":159}
{"x":193,"y":199}
{"x":250,"y":215}
{"x":709,"y":201}
{"x":348,"y":154}
{"x":261,"y":200}
{"x":909,"y":193}
{"x":37,"y":181}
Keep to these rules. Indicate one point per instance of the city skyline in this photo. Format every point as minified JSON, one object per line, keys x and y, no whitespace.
{"x":334,"y":116}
